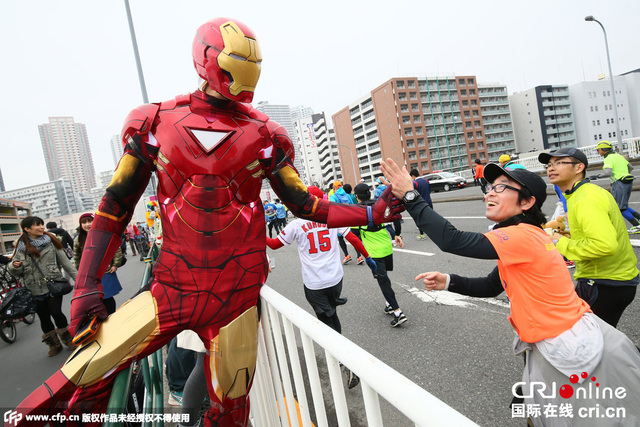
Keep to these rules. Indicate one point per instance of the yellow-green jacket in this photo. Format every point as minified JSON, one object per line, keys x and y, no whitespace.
{"x":599,"y":243}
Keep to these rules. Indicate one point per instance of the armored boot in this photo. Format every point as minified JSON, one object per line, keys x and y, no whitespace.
{"x":51,"y":339}
{"x":66,"y":338}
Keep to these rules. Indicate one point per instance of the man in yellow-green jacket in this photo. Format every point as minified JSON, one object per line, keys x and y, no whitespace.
{"x":599,"y":244}
{"x":618,"y":169}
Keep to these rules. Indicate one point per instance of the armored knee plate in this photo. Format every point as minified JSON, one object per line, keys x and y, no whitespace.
{"x":233,"y":356}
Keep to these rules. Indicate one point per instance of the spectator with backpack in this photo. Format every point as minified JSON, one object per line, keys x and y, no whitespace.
{"x":64,"y":237}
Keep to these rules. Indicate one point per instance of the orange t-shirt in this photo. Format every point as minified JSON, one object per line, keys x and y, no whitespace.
{"x":479,"y":171}
{"x":535,"y":277}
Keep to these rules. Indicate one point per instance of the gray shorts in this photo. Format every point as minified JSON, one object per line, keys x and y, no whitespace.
{"x":621,"y":192}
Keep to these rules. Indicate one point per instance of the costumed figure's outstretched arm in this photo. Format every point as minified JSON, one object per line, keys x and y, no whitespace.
{"x":129,"y":182}
{"x":287,"y":184}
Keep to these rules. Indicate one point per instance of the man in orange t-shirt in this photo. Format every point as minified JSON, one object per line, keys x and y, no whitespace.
{"x":479,"y":174}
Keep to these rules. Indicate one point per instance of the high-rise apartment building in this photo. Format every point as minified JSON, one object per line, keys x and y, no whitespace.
{"x":287,"y":116}
{"x":67,"y":153}
{"x":543,"y":118}
{"x":496,"y":118}
{"x":116,"y":149}
{"x":97,"y":192}
{"x":432,"y":123}
{"x":1,"y":182}
{"x":319,"y":151}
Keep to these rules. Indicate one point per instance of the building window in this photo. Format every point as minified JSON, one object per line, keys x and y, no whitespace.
{"x":420,"y":142}
{"x":402,"y":96}
{"x":410,"y":143}
{"x":408,"y":132}
{"x":463,"y":92}
{"x":423,"y":154}
{"x":406,"y":120}
{"x":413,"y":96}
{"x":400,"y":84}
{"x":412,"y":155}
{"x":419,"y":131}
{"x":424,"y":165}
{"x":470,"y":82}
{"x":417,"y":119}
{"x":470,"y":135}
{"x":415,"y":107}
{"x":411,"y":84}
{"x":472,"y":92}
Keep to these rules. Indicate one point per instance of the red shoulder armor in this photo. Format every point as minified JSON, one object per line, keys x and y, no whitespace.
{"x":254,"y":114}
{"x":139,"y":122}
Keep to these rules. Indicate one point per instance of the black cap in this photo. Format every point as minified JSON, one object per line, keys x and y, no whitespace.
{"x":361,"y":188}
{"x":564,"y":152}
{"x":527,"y":179}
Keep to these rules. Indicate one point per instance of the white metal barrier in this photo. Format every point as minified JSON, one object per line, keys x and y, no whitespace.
{"x":275,"y":401}
{"x":530,"y":160}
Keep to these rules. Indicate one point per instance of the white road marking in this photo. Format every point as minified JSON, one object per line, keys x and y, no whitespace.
{"x":635,"y":242}
{"x":396,"y":249}
{"x":455,"y":300}
{"x":413,"y":252}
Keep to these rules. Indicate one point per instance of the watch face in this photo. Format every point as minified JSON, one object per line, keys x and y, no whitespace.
{"x":410,"y":196}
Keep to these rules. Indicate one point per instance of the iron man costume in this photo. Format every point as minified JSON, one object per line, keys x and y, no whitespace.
{"x":211,"y":151}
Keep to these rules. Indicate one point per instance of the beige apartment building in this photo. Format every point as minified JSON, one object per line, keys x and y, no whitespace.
{"x":429,"y":124}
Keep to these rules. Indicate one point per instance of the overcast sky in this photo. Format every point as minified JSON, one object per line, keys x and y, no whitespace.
{"x":74,"y":57}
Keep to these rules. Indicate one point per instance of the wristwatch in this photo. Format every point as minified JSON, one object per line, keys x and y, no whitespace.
{"x":410,"y":196}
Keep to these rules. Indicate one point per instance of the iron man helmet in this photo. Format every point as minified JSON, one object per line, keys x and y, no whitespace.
{"x":227,"y":56}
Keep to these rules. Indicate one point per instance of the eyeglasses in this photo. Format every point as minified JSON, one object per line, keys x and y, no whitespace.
{"x":499,"y":188}
{"x":555,"y":164}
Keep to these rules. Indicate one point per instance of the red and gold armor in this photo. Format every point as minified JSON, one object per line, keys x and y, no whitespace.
{"x":211,"y":154}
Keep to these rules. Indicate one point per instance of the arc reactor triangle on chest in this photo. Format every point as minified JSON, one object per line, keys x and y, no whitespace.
{"x":208,"y":140}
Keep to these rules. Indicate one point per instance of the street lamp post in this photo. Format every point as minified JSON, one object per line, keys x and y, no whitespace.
{"x":590,"y":18}
{"x":353,"y":163}
{"x":136,"y":54}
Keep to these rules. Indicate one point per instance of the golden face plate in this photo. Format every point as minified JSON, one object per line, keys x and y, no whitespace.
{"x":241,"y":58}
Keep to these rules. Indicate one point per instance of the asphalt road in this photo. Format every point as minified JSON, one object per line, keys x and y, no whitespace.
{"x":457,"y":348}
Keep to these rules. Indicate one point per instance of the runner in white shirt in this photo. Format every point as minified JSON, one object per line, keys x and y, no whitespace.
{"x":321,"y":266}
